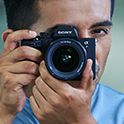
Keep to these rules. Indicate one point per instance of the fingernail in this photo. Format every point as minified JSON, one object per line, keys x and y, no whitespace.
{"x":32,"y":34}
{"x":90,"y":61}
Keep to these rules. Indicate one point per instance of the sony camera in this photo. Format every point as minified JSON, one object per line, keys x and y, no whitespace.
{"x":65,"y":54}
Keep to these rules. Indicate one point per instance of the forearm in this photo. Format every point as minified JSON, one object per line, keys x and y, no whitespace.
{"x":5,"y":118}
{"x":89,"y":120}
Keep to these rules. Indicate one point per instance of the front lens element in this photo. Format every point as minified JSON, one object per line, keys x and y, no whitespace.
{"x":66,"y":58}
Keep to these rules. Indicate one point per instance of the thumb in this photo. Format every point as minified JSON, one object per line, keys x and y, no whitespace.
{"x":87,"y":75}
{"x":22,"y":99}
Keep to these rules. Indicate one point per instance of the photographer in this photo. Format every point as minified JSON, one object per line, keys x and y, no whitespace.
{"x":29,"y":94}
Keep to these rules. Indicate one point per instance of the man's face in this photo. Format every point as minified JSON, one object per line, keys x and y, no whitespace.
{"x":91,"y":17}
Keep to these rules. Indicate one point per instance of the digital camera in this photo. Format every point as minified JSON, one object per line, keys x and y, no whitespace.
{"x":65,"y":54}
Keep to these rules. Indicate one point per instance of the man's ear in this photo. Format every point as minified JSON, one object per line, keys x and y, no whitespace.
{"x":6,"y":33}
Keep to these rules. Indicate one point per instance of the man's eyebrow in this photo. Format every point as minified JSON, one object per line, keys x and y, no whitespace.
{"x":55,"y":26}
{"x":104,"y":23}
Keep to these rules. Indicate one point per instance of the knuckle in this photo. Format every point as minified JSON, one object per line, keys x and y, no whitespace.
{"x":7,"y":80}
{"x":30,"y":53}
{"x":47,"y":111}
{"x":31,"y":66}
{"x":36,"y":55}
{"x":68,"y":97}
{"x":56,"y":103}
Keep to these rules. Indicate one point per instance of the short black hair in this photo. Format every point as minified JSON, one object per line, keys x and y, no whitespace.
{"x":21,"y":14}
{"x":112,"y":7}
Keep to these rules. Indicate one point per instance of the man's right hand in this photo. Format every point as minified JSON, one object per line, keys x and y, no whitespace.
{"x":18,"y":68}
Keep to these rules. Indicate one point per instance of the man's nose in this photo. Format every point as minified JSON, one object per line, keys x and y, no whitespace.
{"x":84,"y":33}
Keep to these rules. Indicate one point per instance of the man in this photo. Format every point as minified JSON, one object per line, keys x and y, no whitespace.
{"x":52,"y":101}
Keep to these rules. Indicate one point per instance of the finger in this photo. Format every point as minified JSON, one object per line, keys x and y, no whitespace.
{"x":38,"y":113}
{"x":58,"y":86}
{"x":87,"y":76}
{"x":17,"y":81}
{"x":22,"y":67}
{"x":13,"y":38}
{"x":6,"y":33}
{"x":24,"y":52}
{"x":22,"y":99}
{"x":40,"y":100}
{"x":48,"y":93}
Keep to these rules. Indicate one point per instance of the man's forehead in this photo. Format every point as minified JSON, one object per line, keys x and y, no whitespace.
{"x":86,"y":7}
{"x":78,"y":3}
{"x":74,"y":1}
{"x":74,"y":12}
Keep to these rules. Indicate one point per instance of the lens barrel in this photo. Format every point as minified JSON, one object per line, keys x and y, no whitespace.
{"x":66,"y":59}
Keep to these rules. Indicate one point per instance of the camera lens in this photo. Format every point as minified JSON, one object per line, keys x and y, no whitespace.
{"x":66,"y":58}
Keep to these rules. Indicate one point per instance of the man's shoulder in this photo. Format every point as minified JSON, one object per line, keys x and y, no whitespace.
{"x":108,"y":95}
{"x":111,"y":97}
{"x":108,"y":105}
{"x":109,"y":92}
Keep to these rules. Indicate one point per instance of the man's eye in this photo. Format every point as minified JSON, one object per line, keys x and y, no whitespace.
{"x":99,"y":32}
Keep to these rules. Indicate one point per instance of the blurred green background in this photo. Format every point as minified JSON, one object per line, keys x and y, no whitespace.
{"x":114,"y":72}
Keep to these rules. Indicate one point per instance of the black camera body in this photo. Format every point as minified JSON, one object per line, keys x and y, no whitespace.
{"x":65,"y":54}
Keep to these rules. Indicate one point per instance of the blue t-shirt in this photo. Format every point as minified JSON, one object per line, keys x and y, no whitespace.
{"x":107,"y":107}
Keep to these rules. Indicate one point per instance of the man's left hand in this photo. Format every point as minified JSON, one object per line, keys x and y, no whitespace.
{"x":57,"y":102}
